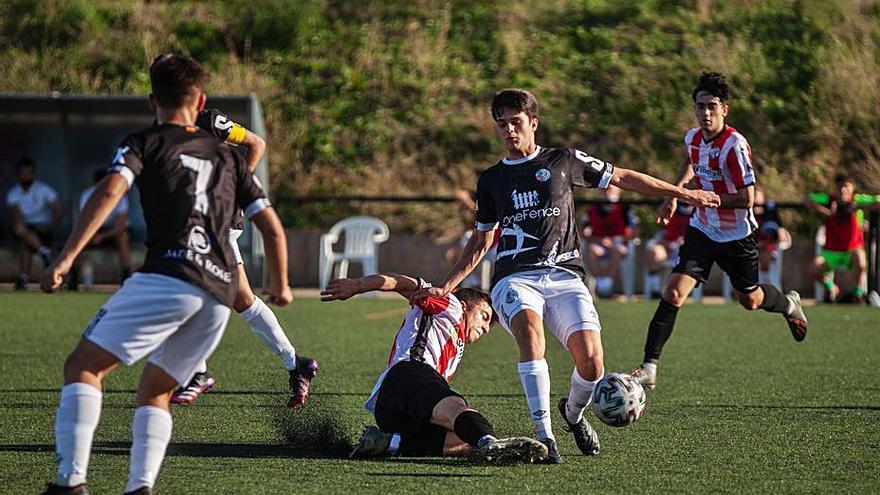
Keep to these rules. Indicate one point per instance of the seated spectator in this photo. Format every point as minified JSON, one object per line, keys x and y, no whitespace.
{"x":770,"y":234}
{"x":36,"y":210}
{"x":664,"y":246}
{"x":607,"y":228}
{"x":112,"y":233}
{"x":844,"y":248}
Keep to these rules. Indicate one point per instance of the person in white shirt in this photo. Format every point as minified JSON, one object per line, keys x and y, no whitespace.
{"x":36,"y":210}
{"x":112,"y":233}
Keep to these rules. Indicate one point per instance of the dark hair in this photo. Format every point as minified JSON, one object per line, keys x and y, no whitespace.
{"x":841,"y":179}
{"x":714,"y":84}
{"x":25,"y":161}
{"x":517,"y":99}
{"x":472,"y":297}
{"x":174,"y":78}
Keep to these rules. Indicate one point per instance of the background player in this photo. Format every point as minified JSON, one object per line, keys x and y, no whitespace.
{"x":720,"y":160}
{"x":175,"y":307}
{"x":36,"y":210}
{"x":538,"y":271}
{"x":844,"y":247}
{"x":607,"y":228}
{"x":301,"y":370}
{"x":416,"y":410}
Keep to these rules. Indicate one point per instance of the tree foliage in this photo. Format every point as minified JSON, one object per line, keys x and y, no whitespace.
{"x":391,"y":97}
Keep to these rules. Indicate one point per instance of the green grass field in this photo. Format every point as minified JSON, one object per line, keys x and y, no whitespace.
{"x":740,"y":407}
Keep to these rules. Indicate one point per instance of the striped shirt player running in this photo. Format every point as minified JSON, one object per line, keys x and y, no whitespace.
{"x":301,"y":370}
{"x":417,"y":412}
{"x":718,"y":159}
{"x":174,"y":309}
{"x":529,"y":196}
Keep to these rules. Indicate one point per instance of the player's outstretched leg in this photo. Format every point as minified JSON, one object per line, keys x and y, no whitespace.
{"x":774,"y":301}
{"x":586,"y":349}
{"x":374,"y":442}
{"x":300,"y":381}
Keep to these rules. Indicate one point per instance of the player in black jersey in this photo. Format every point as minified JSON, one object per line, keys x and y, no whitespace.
{"x":175,"y":307}
{"x":263,"y":322}
{"x":529,"y":196}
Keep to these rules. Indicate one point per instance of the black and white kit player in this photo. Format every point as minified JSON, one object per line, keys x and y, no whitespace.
{"x":260,"y":318}
{"x":175,"y":307}
{"x":529,"y":196}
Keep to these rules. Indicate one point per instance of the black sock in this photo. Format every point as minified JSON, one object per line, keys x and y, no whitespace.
{"x":471,"y":426}
{"x":426,"y":442}
{"x":774,"y":300}
{"x":659,"y":330}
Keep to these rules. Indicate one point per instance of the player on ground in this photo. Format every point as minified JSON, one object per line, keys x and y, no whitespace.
{"x":175,"y":307}
{"x":720,"y":160}
{"x":538,"y":271}
{"x":417,"y":412}
{"x":261,"y":319}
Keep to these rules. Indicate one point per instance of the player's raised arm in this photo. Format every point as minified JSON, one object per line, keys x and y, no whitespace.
{"x":645,"y":184}
{"x":218,"y":124}
{"x":343,"y":288}
{"x":107,"y":193}
{"x":477,"y":246}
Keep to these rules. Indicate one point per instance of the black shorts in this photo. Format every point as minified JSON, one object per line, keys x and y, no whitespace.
{"x":43,"y":232}
{"x":407,"y":398}
{"x":738,"y":259}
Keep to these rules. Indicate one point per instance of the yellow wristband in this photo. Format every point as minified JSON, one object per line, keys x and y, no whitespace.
{"x":236,"y":134}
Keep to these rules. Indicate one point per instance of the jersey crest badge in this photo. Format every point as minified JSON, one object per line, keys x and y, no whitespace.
{"x":542,"y":175}
{"x":714,"y":152}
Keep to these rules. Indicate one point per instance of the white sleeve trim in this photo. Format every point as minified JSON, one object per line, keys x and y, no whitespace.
{"x":256,"y":207}
{"x":486,"y":227}
{"x":125,"y":172}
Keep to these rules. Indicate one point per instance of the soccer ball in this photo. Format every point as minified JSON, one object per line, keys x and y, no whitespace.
{"x":618,"y":400}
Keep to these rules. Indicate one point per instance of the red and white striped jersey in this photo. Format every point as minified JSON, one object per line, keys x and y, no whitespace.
{"x":722,"y":165}
{"x":432,"y":333}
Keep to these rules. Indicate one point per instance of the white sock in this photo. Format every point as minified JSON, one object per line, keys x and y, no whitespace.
{"x":202,"y":367}
{"x":264,"y":323}
{"x":763,"y":277}
{"x":650,"y":367}
{"x":579,"y":396}
{"x":75,"y":423}
{"x":150,"y":434}
{"x":535,"y":377}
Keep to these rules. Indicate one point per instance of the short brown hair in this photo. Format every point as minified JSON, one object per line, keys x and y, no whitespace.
{"x":174,"y":78}
{"x":517,"y":99}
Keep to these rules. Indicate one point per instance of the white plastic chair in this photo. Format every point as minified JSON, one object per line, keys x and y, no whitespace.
{"x":362,"y":238}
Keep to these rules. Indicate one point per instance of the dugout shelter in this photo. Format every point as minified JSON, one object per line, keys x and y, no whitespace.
{"x":71,"y":136}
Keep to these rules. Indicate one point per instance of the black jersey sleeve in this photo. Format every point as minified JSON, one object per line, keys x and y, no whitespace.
{"x":128,"y":160}
{"x":249,"y":192}
{"x":487,"y":216}
{"x":588,"y":171}
{"x":219,"y":124}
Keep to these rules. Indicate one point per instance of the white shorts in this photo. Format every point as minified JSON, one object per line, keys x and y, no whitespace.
{"x":178,"y":324}
{"x":234,"y":234}
{"x":559,"y":297}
